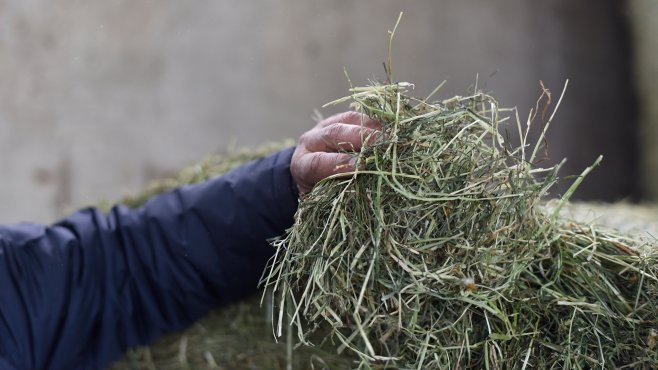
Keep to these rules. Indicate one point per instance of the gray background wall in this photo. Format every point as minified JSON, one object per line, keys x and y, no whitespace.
{"x":97,"y":97}
{"x":645,"y":30}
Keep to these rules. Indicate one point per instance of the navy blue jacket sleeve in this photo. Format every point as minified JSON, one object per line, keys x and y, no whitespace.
{"x":76,"y":294}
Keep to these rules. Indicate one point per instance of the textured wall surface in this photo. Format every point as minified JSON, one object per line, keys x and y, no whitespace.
{"x":645,"y":21}
{"x":99,"y":96}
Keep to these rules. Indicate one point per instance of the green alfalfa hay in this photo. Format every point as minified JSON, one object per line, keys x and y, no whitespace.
{"x":438,"y":252}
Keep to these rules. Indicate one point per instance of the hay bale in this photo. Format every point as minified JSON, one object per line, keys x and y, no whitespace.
{"x":638,"y":220}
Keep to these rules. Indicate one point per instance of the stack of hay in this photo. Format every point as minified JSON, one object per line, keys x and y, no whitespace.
{"x":438,"y":253}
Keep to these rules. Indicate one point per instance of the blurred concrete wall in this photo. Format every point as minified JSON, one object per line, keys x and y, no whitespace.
{"x":645,"y":27}
{"x":99,"y":96}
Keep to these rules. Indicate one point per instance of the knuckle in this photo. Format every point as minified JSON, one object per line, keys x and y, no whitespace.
{"x":309,"y":137}
{"x":344,"y":117}
{"x":304,"y":138}
{"x":329,"y":120}
{"x":314,"y":163}
{"x":352,"y":116}
{"x":333,"y":131}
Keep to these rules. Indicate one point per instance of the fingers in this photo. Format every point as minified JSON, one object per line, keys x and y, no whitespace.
{"x":339,"y":137}
{"x":313,"y":167}
{"x":318,"y":153}
{"x":352,"y":118}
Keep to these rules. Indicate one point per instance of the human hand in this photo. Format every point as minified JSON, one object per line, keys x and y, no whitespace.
{"x":321,"y":151}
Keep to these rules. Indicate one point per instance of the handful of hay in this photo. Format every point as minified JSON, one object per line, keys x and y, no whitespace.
{"x":438,"y":253}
